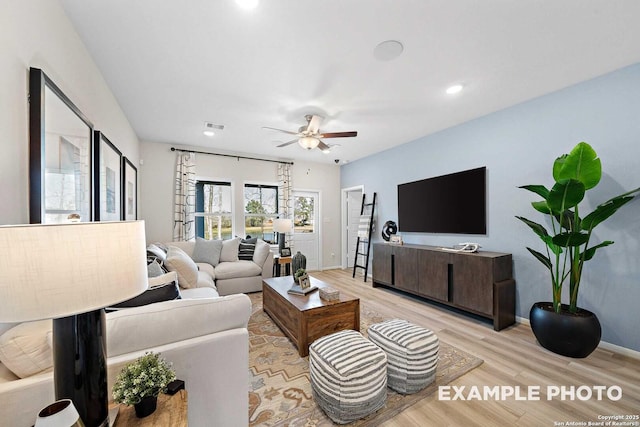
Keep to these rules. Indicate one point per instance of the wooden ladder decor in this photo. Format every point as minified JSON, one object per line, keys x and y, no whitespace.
{"x":364,"y":235}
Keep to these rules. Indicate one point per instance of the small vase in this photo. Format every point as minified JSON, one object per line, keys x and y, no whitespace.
{"x":298,"y":261}
{"x":146,"y":406}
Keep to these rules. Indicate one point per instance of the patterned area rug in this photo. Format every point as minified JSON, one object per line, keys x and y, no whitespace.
{"x":279,"y":389}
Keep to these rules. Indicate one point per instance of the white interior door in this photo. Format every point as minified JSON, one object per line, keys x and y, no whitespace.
{"x":354,"y":205}
{"x":306,"y":224}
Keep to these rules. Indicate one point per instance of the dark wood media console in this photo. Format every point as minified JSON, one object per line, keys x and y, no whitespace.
{"x":481,"y":283}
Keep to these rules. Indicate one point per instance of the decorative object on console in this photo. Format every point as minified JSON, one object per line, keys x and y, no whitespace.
{"x":298,"y":261}
{"x":395,"y":239}
{"x":140,"y":383}
{"x":329,"y":294}
{"x":574,"y":174}
{"x":388,"y":229}
{"x":59,"y":414}
{"x":282,"y":226}
{"x":285,"y":252}
{"x":66,"y":272}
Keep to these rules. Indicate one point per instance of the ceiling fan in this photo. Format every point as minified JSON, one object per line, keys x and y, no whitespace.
{"x":310,"y":137}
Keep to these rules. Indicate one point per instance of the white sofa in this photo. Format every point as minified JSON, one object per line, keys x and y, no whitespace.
{"x":206,"y":339}
{"x":230,"y":275}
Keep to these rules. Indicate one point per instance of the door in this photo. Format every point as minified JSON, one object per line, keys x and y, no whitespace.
{"x":306,"y":233}
{"x":353,"y":207}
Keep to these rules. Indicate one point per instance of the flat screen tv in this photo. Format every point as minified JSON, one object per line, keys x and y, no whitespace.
{"x":454,"y":203}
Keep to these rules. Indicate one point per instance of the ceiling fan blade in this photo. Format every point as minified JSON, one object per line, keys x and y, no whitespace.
{"x":314,"y":124}
{"x":287,"y":143}
{"x":281,"y":130}
{"x":323,"y":147}
{"x":338,"y":134}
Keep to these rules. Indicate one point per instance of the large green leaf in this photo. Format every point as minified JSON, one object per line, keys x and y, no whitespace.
{"x":567,"y":220}
{"x":542,"y":258}
{"x":540,"y":190}
{"x":541,"y":207}
{"x":582,"y":164}
{"x":565,"y":195}
{"x":589,"y":253}
{"x":542,"y":233}
{"x":570,"y":239}
{"x":606,"y":209}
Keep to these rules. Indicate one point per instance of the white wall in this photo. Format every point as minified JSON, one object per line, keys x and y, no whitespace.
{"x":156,"y":176}
{"x":37,"y":33}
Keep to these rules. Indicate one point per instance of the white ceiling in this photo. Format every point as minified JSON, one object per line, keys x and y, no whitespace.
{"x":174,"y":64}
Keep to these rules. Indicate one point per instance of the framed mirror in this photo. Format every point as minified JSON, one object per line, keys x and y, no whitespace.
{"x":107,"y":166}
{"x":129,"y":190}
{"x":60,"y":153}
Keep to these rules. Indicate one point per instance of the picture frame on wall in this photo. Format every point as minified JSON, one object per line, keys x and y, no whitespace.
{"x":60,"y":155}
{"x":129,"y":190}
{"x":108,"y":179}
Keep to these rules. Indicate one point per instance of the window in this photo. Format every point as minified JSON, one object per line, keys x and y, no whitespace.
{"x":213,"y":210}
{"x":260,"y":209}
{"x":303,"y":214}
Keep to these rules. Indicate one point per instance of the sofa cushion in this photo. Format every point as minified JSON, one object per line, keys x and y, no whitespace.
{"x":261,"y":252}
{"x":205,"y":280}
{"x":232,"y":270}
{"x":178,"y":261}
{"x":195,"y":293}
{"x":229,"y":251}
{"x":207,"y":268}
{"x":25,"y":349}
{"x":247,"y":248}
{"x":166,"y":322}
{"x":207,"y":251}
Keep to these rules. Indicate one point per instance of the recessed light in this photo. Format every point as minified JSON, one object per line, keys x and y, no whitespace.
{"x":388,"y":50}
{"x":248,"y":4}
{"x":209,"y":133}
{"x":452,"y":90}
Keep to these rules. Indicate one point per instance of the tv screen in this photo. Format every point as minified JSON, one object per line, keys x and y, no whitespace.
{"x":454,"y":203}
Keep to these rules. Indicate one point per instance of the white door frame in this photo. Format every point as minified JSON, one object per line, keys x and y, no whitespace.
{"x":319,"y":221}
{"x":344,"y":213}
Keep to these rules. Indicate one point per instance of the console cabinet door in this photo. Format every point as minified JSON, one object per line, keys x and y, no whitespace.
{"x":473,"y":283}
{"x":382,"y":260}
{"x":406,"y":268}
{"x":433,"y":274}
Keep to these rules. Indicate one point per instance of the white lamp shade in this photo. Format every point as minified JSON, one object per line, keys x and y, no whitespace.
{"x":53,"y":271}
{"x":308,"y":142}
{"x":282,"y":225}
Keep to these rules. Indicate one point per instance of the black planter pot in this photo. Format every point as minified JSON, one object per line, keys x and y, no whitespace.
{"x":146,"y":406}
{"x":565,"y":333}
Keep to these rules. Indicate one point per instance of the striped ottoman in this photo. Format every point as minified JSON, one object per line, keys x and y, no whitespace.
{"x":348,"y":376}
{"x":412,"y":354}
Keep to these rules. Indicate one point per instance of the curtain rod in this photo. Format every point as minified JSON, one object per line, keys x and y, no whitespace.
{"x":231,"y":155}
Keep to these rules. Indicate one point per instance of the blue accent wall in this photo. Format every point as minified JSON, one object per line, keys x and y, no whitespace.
{"x":518,"y":146}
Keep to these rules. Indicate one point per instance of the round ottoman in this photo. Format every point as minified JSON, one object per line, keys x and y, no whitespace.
{"x":348,"y":376}
{"x":412,"y":353}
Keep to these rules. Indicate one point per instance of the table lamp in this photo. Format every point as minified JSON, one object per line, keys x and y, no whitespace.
{"x":281,"y":226}
{"x":69,"y":273}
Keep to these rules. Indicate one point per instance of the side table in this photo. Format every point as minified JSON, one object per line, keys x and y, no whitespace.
{"x":278,"y":262}
{"x":172,"y":411}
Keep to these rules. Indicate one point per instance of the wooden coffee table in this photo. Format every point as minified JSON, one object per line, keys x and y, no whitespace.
{"x":305,"y":318}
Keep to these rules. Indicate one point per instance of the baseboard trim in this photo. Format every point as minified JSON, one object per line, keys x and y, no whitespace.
{"x":624,"y":351}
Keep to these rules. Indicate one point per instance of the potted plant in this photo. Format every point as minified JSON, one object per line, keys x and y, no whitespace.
{"x":140,"y":382}
{"x":561,"y":328}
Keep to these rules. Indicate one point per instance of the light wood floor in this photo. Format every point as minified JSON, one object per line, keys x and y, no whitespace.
{"x":512,"y":357}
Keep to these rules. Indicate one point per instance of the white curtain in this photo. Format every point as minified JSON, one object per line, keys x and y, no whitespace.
{"x":285,"y":197}
{"x":184,"y":218}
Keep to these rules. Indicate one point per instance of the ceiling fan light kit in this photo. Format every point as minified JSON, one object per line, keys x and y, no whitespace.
{"x":309,"y":136}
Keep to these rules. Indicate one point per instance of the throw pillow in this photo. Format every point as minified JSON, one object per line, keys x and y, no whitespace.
{"x":247,"y":248}
{"x":154,"y":250}
{"x":261,"y":252}
{"x":207,"y":251}
{"x":167,"y":292}
{"x":230,"y":249}
{"x":178,"y":261}
{"x":154,"y":267}
{"x":25,"y":350}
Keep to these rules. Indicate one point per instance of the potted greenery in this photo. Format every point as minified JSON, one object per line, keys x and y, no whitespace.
{"x":140,"y":382}
{"x":561,"y":328}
